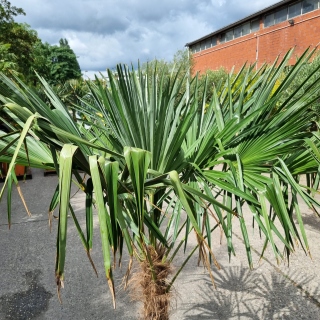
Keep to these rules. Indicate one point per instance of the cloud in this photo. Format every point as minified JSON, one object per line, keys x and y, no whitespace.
{"x":104,"y":33}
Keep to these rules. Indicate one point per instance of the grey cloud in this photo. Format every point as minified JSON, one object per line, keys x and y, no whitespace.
{"x":81,"y":16}
{"x":104,"y":33}
{"x":110,"y":16}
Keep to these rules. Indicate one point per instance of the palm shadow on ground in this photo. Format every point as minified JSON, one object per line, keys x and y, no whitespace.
{"x":244,"y":294}
{"x":312,"y":221}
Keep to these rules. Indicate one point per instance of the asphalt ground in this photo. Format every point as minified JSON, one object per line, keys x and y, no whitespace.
{"x":28,"y":290}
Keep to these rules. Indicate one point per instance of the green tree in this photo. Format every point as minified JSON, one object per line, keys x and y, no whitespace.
{"x":183,"y":60}
{"x":180,"y":64}
{"x":22,"y":40}
{"x":160,"y":169}
{"x":308,"y":73}
{"x":209,"y":80}
{"x":7,"y":59}
{"x":64,"y":65}
{"x":57,"y":64}
{"x":41,"y":62}
{"x":7,"y":12}
{"x":20,"y":37}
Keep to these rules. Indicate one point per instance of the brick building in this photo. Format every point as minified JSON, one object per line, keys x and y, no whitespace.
{"x":260,"y":37}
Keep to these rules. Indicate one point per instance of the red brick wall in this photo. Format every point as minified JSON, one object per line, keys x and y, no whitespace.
{"x":264,"y":45}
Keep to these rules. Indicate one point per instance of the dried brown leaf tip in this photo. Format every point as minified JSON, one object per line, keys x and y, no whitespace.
{"x":50,"y":216}
{"x":92,"y":263}
{"x":23,"y":200}
{"x":60,"y":284}
{"x":127,"y":275}
{"x":111,"y":287}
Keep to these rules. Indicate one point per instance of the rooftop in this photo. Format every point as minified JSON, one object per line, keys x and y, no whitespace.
{"x":250,"y":17}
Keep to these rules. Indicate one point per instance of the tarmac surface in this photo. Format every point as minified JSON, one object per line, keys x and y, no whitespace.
{"x":28,"y":290}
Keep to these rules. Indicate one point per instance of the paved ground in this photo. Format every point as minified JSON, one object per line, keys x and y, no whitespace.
{"x":27,"y":287}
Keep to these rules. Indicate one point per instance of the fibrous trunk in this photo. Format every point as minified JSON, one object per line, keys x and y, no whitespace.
{"x":149,"y":285}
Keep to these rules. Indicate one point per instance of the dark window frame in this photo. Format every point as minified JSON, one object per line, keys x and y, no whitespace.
{"x":293,"y":10}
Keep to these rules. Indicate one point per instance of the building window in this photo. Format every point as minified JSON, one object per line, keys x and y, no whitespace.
{"x":229,"y":35}
{"x":269,"y":20}
{"x":208,"y":43}
{"x":240,"y":30}
{"x":214,"y":41}
{"x":277,"y":16}
{"x":280,"y":15}
{"x":222,"y":37}
{"x":255,"y":25}
{"x":294,"y":10}
{"x":309,"y":5}
{"x":246,"y":28}
{"x":237,"y":32}
{"x":203,"y":45}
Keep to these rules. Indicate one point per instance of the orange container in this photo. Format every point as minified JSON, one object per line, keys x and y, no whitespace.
{"x":19,"y":169}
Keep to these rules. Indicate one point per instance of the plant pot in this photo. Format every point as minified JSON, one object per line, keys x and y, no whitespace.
{"x":19,"y":170}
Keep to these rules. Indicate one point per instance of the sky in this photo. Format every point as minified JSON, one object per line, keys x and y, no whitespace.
{"x":103,"y":33}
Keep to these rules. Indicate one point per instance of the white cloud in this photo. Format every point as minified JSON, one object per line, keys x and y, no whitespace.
{"x":104,"y":33}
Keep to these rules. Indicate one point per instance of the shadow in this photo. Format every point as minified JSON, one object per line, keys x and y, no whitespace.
{"x":312,"y":221}
{"x":28,"y":304}
{"x":244,"y":294}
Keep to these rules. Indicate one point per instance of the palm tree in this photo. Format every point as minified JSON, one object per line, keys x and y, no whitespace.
{"x":164,"y":163}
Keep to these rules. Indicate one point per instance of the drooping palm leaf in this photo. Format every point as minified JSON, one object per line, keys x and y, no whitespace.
{"x":161,"y":159}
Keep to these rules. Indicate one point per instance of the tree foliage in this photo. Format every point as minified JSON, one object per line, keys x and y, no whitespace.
{"x":22,"y":40}
{"x":309,"y":72}
{"x":8,"y":12}
{"x":180,"y":64}
{"x":20,"y":37}
{"x":63,"y":63}
{"x":7,"y":59}
{"x":56,"y":63}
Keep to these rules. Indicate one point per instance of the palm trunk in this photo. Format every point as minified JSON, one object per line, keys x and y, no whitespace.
{"x":150,"y":285}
